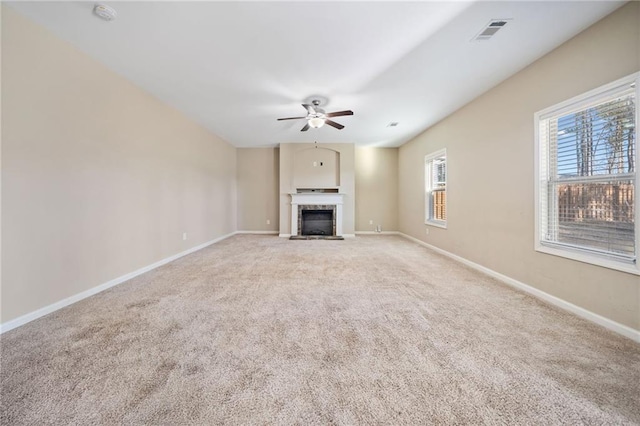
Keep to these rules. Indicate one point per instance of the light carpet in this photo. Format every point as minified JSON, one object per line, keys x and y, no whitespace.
{"x":264,"y":330}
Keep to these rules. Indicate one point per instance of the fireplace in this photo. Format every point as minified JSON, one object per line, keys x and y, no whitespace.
{"x":317,"y":220}
{"x":316,"y":214}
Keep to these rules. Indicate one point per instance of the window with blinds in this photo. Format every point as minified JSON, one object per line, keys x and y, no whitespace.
{"x":587,"y":178}
{"x":436,"y":188}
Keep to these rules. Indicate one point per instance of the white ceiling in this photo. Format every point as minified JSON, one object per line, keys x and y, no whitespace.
{"x":235,"y":67}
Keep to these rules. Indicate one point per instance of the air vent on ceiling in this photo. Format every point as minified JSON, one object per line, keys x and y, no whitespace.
{"x":392,"y":124}
{"x":491,"y":29}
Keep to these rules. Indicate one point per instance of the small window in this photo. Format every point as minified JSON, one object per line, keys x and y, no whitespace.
{"x":435,"y":173}
{"x":586,"y":177}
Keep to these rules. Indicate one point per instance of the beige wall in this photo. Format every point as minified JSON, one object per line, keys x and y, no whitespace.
{"x":376,"y":184}
{"x":288,"y":154}
{"x":316,"y":167}
{"x":490,"y":147}
{"x":376,"y":189}
{"x":99,"y":178}
{"x":258,"y":173}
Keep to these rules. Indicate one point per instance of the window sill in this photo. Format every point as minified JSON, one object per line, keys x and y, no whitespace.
{"x":437,"y":224}
{"x":629,"y":268}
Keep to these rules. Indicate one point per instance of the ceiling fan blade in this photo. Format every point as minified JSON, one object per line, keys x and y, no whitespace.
{"x":305,"y":128}
{"x":339,"y":113}
{"x":309,"y":108}
{"x":334,"y":124}
{"x":290,"y":118}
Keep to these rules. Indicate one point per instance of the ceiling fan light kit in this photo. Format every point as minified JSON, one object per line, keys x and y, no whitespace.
{"x":316,"y":122}
{"x":316,"y":117}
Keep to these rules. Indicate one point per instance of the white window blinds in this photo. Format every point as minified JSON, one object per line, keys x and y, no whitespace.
{"x":588,"y":175}
{"x":436,"y":188}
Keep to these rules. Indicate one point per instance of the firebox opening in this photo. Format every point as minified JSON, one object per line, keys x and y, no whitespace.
{"x":317,"y":222}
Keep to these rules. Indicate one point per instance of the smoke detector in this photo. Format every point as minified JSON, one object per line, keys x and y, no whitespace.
{"x":105,"y":12}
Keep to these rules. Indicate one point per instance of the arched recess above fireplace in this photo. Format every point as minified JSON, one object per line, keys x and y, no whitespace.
{"x":316,"y":167}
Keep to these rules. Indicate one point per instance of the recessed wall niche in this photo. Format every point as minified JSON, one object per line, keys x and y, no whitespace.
{"x":298,"y":177}
{"x":316,"y":168}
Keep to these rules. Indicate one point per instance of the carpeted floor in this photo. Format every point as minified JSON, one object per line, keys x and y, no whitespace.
{"x":264,"y":330}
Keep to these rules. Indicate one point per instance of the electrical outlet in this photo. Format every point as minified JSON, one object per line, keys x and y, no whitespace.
{"x":184,"y":236}
{"x":268,"y":222}
{"x":371,"y":222}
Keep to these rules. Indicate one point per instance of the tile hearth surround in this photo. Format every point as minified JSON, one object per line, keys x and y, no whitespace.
{"x":316,"y":200}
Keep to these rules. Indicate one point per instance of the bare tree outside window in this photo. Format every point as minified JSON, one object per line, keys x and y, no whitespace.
{"x":590,"y":174}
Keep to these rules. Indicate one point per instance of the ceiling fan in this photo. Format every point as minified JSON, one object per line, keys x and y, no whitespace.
{"x":316,"y":117}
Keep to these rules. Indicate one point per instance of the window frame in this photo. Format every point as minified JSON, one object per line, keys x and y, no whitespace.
{"x":428,"y":187}
{"x":575,"y":253}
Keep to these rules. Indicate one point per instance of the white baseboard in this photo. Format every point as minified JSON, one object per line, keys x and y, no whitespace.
{"x":258,"y":232}
{"x":10,"y":325}
{"x":377,"y":233}
{"x":581,"y":312}
{"x":348,"y":235}
{"x":556,"y":301}
{"x":284,"y":235}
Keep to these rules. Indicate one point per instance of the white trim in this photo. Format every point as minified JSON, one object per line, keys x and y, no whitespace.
{"x":284,"y":235}
{"x":437,"y":223}
{"x":428,"y":186}
{"x":556,"y":301}
{"x":316,"y":198}
{"x":258,"y":232}
{"x":17,"y":322}
{"x":592,"y":259}
{"x":377,"y":233}
{"x":348,"y":235}
{"x":593,"y":96}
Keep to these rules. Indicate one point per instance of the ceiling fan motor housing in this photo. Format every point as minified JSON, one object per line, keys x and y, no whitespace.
{"x":316,"y":107}
{"x":317,"y":117}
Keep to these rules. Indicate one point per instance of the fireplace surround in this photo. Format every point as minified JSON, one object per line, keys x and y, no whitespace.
{"x":317,"y":220}
{"x":316,"y":201}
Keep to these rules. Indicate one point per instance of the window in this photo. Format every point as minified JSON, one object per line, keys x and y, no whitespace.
{"x":586,"y":204}
{"x":435,"y":174}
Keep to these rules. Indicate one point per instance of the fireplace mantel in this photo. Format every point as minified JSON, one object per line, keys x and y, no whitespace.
{"x":316,"y":198}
